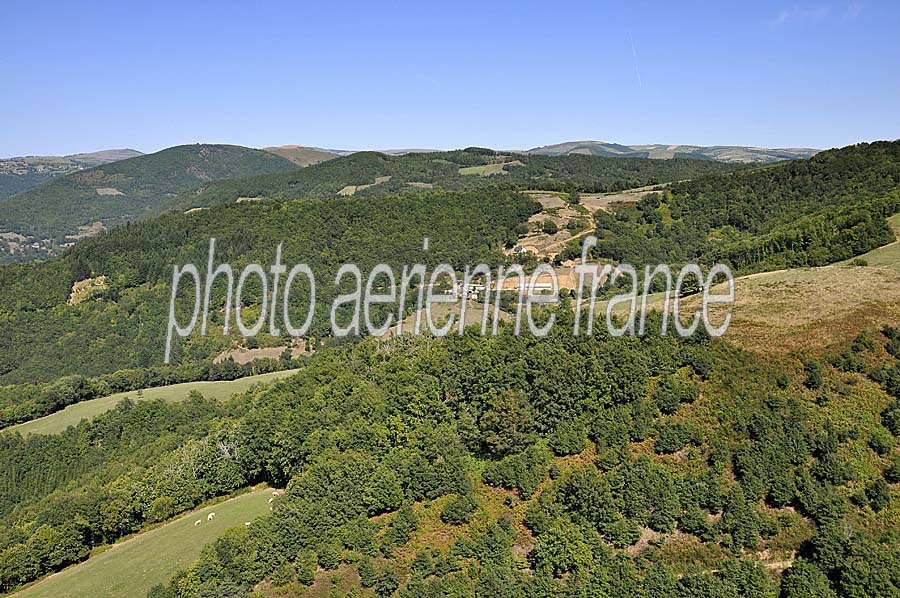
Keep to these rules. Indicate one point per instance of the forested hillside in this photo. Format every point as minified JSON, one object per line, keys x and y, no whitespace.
{"x":25,"y":172}
{"x":472,"y":167}
{"x":839,"y":195}
{"x":469,"y":466}
{"x":121,"y":191}
{"x":505,"y":466}
{"x":794,"y":214}
{"x":122,"y":325}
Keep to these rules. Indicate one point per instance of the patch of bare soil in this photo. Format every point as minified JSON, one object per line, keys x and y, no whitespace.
{"x":108,"y":191}
{"x":603,"y":201}
{"x":87,"y":230}
{"x":243,"y":355}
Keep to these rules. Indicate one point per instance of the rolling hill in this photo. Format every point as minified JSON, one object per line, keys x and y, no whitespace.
{"x":40,"y":221}
{"x":504,"y":465}
{"x":720,"y":153}
{"x":45,"y":336}
{"x":793,"y":214}
{"x":377,"y":174}
{"x":23,"y":173}
{"x":43,"y":221}
{"x":301,"y":155}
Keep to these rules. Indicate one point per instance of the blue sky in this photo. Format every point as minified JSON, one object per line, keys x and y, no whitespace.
{"x":82,"y":76}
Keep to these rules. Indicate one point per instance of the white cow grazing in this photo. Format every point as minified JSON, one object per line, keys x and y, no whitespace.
{"x":197,"y":522}
{"x":247,"y":523}
{"x":210,"y":517}
{"x":275,"y":493}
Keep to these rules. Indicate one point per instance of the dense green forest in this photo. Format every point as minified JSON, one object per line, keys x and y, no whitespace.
{"x":124,"y":325}
{"x":546,"y":463}
{"x":447,"y":170}
{"x":829,"y":208}
{"x":128,"y":189}
{"x":794,"y":214}
{"x":468,"y":466}
{"x":10,"y":184}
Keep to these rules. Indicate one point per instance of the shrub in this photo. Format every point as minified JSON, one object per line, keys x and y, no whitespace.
{"x":329,"y":555}
{"x":368,"y":573}
{"x":881,"y":441}
{"x":523,"y":471}
{"x":459,"y":510}
{"x":892,"y":473}
{"x":387,"y":583}
{"x":674,"y":436}
{"x":814,"y":376}
{"x":569,"y":438}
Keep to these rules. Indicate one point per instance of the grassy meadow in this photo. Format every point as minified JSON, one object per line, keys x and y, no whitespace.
{"x":133,"y":566}
{"x":71,"y":415}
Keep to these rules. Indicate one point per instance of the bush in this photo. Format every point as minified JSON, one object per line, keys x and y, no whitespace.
{"x":878,"y":494}
{"x":892,"y":473}
{"x":306,"y":567}
{"x":329,"y":555}
{"x":814,"y":377}
{"x":387,"y":583}
{"x":523,"y":471}
{"x":622,"y":533}
{"x":421,"y":564}
{"x":672,"y":392}
{"x":890,"y":417}
{"x":804,"y":580}
{"x":459,"y":510}
{"x":674,"y":436}
{"x":368,"y":573}
{"x":569,"y":438}
{"x":881,"y":441}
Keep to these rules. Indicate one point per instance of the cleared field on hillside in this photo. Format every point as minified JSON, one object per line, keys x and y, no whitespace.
{"x":489,"y":169}
{"x":71,"y":415}
{"x":132,"y":567}
{"x":805,"y":309}
{"x":602,"y":201}
{"x":886,"y":256}
{"x":810,"y":309}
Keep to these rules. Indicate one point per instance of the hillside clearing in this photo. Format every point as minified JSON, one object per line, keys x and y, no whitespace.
{"x":806,"y":309}
{"x":886,"y":256}
{"x":56,"y":423}
{"x":809,"y":309}
{"x":603,"y":201}
{"x":489,"y":169}
{"x":132,"y":567}
{"x":353,"y":189}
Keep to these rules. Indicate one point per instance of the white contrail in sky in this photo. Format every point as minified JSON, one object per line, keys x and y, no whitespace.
{"x":636,"y":69}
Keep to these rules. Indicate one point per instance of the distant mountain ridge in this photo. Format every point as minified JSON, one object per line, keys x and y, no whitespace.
{"x":720,"y":153}
{"x":21,"y":173}
{"x":57,"y":201}
{"x":42,"y":220}
{"x":308,"y":155}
